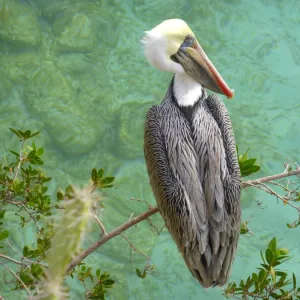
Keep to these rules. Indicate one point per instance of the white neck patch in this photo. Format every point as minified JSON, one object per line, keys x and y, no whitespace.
{"x":187,"y":91}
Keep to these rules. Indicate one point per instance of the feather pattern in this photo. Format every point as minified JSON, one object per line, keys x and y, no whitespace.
{"x":195,"y":177}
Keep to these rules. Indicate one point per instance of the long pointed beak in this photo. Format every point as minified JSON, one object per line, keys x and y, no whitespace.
{"x":196,"y":63}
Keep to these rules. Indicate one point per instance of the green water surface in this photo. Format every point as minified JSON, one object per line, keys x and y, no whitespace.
{"x":75,"y":71}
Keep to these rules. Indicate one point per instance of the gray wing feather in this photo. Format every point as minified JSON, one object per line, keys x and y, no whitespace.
{"x":196,"y":182}
{"x":229,"y":181}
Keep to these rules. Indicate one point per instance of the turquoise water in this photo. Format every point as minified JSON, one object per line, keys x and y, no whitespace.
{"x":75,"y":71}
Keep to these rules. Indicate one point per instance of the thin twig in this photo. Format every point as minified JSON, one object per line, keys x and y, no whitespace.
{"x":245,"y":225}
{"x":140,"y":200}
{"x":99,"y":223}
{"x":285,"y":200}
{"x":294,"y":163}
{"x":31,"y":216}
{"x":17,"y":203}
{"x":13,"y":260}
{"x":17,"y":277}
{"x":268,"y":190}
{"x":135,"y":249}
{"x":153,"y":227}
{"x":259,"y":203}
{"x":279,"y":185}
{"x":20,"y":162}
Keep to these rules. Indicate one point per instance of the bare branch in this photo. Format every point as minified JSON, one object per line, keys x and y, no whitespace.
{"x":13,"y":260}
{"x":270,"y":178}
{"x":99,"y":223}
{"x":140,"y":200}
{"x":110,"y":235}
{"x":17,"y":277}
{"x":135,"y":249}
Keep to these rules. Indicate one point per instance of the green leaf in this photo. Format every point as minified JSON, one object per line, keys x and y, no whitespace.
{"x":262,"y":257}
{"x":36,"y":133}
{"x":40,"y":152}
{"x":98,"y":273}
{"x":59,"y":195}
{"x":275,"y":296}
{"x":31,"y":154}
{"x":273,"y":245}
{"x":108,"y":282}
{"x":248,"y":162}
{"x":107,"y":186}
{"x":248,"y":171}
{"x":26,"y":277}
{"x":107,"y":180}
{"x":27,"y":134}
{"x":269,"y":256}
{"x":244,"y":156}
{"x":16,"y":132}
{"x":3,"y":234}
{"x":14,"y":153}
{"x":2,"y":213}
{"x":36,"y":270}
{"x":283,"y":251}
{"x":25,"y":251}
{"x":139,"y":274}
{"x":100,"y":173}
{"x":294,"y":282}
{"x":69,"y":190}
{"x":94,"y":175}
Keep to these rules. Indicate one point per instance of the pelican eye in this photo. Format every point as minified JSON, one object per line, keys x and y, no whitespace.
{"x":188,"y":41}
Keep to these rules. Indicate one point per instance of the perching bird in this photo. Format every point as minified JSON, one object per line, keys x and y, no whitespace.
{"x":191,"y":156}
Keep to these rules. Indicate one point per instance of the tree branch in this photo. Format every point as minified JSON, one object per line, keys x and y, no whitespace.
{"x":11,"y":259}
{"x":154,"y":210}
{"x":103,"y":231}
{"x":270,"y":178}
{"x":31,"y":216}
{"x":17,"y":277}
{"x":110,"y":235}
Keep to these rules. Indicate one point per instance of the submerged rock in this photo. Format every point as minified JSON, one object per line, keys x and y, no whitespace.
{"x":131,"y":130}
{"x":19,"y":67}
{"x":18,"y":24}
{"x":51,"y":96}
{"x":76,"y":32}
{"x":74,"y":63}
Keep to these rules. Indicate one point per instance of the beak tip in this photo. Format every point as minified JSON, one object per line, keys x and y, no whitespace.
{"x":230,"y":94}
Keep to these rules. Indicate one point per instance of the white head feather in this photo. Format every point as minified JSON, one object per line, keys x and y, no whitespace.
{"x":160,"y":43}
{"x":163,"y":41}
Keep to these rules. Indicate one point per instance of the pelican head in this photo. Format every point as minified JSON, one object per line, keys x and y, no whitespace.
{"x":172,"y":46}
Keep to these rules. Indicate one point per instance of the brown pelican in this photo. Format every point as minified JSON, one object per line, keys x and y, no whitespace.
{"x":191,"y":156}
